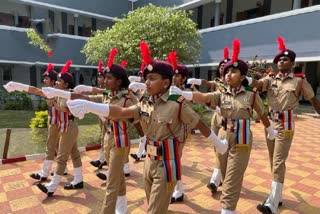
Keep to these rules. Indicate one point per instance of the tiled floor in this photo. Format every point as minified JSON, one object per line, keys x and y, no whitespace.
{"x":18,"y":194}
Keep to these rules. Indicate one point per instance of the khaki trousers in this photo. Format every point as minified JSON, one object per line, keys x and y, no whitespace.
{"x":216,"y":121}
{"x":155,"y":185}
{"x":278,"y":153}
{"x":233,"y":165}
{"x":52,"y":141}
{"x":115,"y":180}
{"x":68,"y":147}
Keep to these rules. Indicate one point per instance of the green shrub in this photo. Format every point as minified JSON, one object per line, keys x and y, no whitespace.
{"x":40,"y":120}
{"x":15,"y":101}
{"x":43,"y":106}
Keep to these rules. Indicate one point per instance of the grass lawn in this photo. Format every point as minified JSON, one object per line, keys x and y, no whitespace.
{"x":21,"y":119}
{"x":25,"y":141}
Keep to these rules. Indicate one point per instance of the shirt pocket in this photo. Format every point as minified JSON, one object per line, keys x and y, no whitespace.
{"x":290,"y":91}
{"x":162,"y":120}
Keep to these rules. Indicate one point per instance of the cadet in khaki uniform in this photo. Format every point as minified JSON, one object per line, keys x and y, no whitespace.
{"x":49,"y":79}
{"x":159,"y":117}
{"x":102,"y":123}
{"x":216,"y":120}
{"x":68,"y":130}
{"x":116,"y":139}
{"x":180,"y":74}
{"x":283,"y":92}
{"x":137,"y":86}
{"x":237,"y":106}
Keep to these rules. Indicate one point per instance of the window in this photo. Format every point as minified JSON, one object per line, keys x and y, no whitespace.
{"x":209,"y":75}
{"x":6,"y":19}
{"x":24,"y":21}
{"x":7,"y":73}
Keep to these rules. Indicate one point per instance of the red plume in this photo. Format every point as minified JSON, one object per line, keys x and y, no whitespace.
{"x":50,"y":53}
{"x":66,"y":67}
{"x":235,"y":50}
{"x":225,"y":53}
{"x":112,"y":55}
{"x":172,"y":57}
{"x":145,"y":53}
{"x":142,"y":66}
{"x":100,"y":64}
{"x":124,"y":63}
{"x":49,"y":67}
{"x":281,"y":45}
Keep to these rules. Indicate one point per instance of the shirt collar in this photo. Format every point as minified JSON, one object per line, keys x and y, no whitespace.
{"x":235,"y":91}
{"x":284,"y":76}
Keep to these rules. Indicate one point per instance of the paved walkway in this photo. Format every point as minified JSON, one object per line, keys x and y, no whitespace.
{"x":18,"y":194}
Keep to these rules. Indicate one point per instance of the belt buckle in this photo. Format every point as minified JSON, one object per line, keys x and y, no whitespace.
{"x":152,"y":150}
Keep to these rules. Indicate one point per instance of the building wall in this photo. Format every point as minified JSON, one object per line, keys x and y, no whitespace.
{"x":103,"y":7}
{"x":12,"y":7}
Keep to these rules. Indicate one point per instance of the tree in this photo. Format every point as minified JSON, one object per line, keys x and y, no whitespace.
{"x":163,"y":28}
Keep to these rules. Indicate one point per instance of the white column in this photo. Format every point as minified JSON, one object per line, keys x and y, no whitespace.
{"x":296,"y":4}
{"x":75,"y":16}
{"x":217,"y":12}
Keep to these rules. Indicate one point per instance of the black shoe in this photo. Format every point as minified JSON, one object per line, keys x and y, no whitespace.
{"x":134,"y":156}
{"x":212,"y":187}
{"x":52,"y":173}
{"x":76,"y":186}
{"x":101,"y":176}
{"x":38,"y":177}
{"x":44,"y":189}
{"x":173,"y":199}
{"x":279,"y":205}
{"x":126,"y":174}
{"x":104,"y":163}
{"x":264,"y":209}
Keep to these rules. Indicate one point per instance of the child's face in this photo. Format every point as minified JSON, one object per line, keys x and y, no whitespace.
{"x":156,"y":84}
{"x":111,"y":82}
{"x":178,"y":80}
{"x":47,"y":82}
{"x":233,"y":77}
{"x":100,"y":80}
{"x":61,"y":84}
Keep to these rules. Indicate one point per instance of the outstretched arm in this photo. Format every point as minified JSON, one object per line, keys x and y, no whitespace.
{"x":80,"y":107}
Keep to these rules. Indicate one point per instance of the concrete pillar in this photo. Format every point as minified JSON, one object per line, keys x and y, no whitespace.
{"x":296,"y":4}
{"x":217,"y":13}
{"x":77,"y":75}
{"x":75,"y":16}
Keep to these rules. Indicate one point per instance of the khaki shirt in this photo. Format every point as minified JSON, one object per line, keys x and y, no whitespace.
{"x":239,"y":105}
{"x":121,"y":99}
{"x":217,"y":85}
{"x":155,"y":118}
{"x":283,"y":92}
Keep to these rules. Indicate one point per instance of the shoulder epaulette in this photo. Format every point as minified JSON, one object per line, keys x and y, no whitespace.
{"x":300,"y":75}
{"x":176,"y":97}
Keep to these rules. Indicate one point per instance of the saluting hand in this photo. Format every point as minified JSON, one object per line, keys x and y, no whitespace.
{"x":16,"y":86}
{"x":134,"y":79}
{"x":80,"y":107}
{"x":175,"y":90}
{"x":82,"y":88}
{"x":135,"y":86}
{"x":194,"y":81}
{"x":53,"y":92}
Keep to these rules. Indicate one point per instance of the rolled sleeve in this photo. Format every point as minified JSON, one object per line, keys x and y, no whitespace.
{"x":96,"y":98}
{"x":307,"y":90}
{"x":188,"y":115}
{"x":258,"y":105}
{"x":136,"y":113}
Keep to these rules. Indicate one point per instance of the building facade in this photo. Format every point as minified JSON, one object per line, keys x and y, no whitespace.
{"x":66,"y":25}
